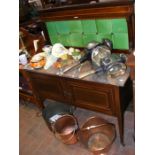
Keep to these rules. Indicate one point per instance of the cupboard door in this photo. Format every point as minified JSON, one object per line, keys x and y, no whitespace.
{"x":94,"y":97}
{"x":47,"y":86}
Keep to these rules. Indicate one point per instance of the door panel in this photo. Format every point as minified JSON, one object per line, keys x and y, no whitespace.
{"x":96,"y":98}
{"x":48,"y":86}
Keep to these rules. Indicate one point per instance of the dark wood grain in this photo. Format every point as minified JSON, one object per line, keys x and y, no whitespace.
{"x":87,"y":5}
{"x":47,"y":86}
{"x":26,"y":95}
{"x":87,"y":13}
{"x":131,"y":63}
{"x":92,"y":96}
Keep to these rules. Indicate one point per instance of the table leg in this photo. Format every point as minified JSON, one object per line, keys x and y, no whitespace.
{"x":120,"y":119}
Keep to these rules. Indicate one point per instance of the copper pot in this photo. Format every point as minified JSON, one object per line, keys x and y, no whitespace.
{"x":97,"y":135}
{"x":65,"y":129}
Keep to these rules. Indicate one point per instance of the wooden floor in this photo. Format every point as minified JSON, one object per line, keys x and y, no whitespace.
{"x":37,"y":139}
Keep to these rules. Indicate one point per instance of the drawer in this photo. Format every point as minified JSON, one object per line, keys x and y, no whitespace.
{"x":93,"y":97}
{"x":47,"y":86}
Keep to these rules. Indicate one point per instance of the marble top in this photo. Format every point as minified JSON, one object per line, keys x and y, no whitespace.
{"x":80,"y":69}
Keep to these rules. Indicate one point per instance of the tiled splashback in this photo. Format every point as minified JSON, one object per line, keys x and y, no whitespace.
{"x":77,"y":33}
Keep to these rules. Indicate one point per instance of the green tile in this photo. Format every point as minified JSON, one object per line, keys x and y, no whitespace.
{"x":62,"y":27}
{"x":119,"y":25}
{"x":104,"y":26}
{"x":65,"y":40}
{"x":75,"y":26}
{"x":101,"y":36}
{"x":89,"y":38}
{"x":120,"y":41}
{"x":54,"y":39}
{"x":51,"y":28}
{"x":89,"y":26}
{"x":76,"y":40}
{"x":79,"y":33}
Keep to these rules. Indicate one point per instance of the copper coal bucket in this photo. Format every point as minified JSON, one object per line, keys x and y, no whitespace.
{"x":65,"y":129}
{"x":97,"y":135}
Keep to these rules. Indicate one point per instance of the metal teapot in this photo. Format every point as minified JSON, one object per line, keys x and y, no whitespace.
{"x":101,"y":51}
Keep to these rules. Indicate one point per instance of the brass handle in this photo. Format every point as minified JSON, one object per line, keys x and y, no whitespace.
{"x":71,"y":66}
{"x":86,"y":74}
